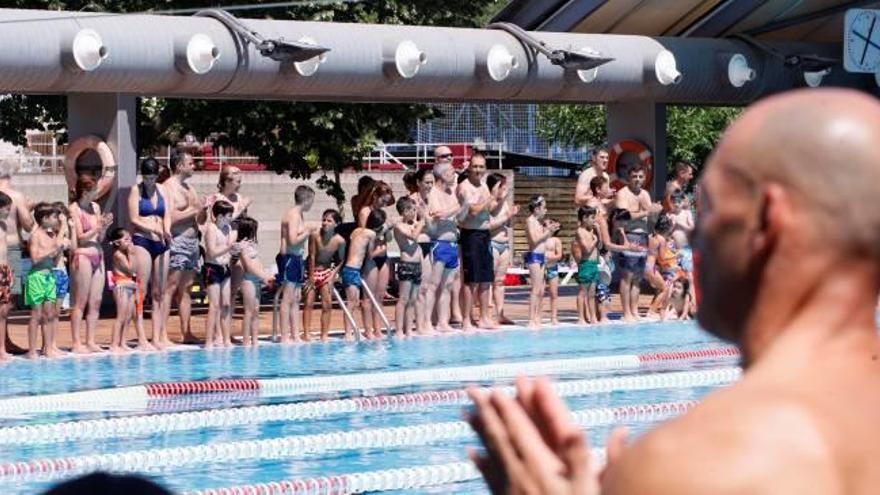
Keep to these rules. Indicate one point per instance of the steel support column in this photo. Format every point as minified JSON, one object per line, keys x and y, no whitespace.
{"x":645,"y":122}
{"x":112,"y":117}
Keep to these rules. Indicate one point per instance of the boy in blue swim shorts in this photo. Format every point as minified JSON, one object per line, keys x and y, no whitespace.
{"x":295,"y":233}
{"x":361,"y":243}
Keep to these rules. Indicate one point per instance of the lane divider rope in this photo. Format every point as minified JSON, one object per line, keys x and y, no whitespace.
{"x":370,"y":481}
{"x":137,"y":397}
{"x":129,"y":426}
{"x":292,"y":446}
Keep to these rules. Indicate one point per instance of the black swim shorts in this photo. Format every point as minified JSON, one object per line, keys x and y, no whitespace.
{"x":476,"y":255}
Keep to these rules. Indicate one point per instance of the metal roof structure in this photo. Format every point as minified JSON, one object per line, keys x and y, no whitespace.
{"x":813,"y":21}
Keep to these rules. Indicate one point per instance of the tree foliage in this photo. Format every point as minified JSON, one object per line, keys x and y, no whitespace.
{"x":294,"y":137}
{"x":691,"y":131}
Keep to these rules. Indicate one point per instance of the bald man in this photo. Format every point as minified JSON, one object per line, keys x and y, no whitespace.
{"x":790,"y":272}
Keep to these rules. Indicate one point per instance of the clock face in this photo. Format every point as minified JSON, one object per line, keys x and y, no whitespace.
{"x":863,"y":41}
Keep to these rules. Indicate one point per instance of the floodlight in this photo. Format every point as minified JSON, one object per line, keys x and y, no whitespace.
{"x":665,"y":69}
{"x":500,"y":62}
{"x":738,"y":70}
{"x":88,"y":50}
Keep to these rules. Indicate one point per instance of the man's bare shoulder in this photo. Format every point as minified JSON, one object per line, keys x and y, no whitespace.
{"x":738,"y":440}
{"x":13,"y":194}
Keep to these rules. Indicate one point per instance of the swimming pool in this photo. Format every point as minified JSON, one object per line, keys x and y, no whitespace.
{"x":329,"y":412}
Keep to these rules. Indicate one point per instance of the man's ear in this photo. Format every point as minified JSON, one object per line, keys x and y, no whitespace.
{"x":775,"y":215}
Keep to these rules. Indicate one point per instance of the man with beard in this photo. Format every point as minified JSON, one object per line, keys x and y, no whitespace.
{"x":789,"y":270}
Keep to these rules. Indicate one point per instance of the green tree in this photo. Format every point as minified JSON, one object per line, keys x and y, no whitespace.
{"x":293,"y":137}
{"x":691,"y":131}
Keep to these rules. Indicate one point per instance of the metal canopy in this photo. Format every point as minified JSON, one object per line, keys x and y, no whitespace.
{"x":818,"y":21}
{"x":202,"y":57}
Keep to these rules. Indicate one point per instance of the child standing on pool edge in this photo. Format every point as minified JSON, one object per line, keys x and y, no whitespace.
{"x":588,"y":239}
{"x":254,"y":278}
{"x":294,"y":235}
{"x":62,"y":278}
{"x":326,"y":255}
{"x":409,"y":269}
{"x":40,"y":287}
{"x":126,"y":294}
{"x":360,"y":244}
{"x":219,"y":241}
{"x":537,"y":235}
{"x":551,"y":273}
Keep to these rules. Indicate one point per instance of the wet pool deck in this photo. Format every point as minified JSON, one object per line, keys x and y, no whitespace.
{"x":516,"y":308}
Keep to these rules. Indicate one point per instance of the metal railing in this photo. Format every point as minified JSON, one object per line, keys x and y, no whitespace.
{"x":409,"y":155}
{"x":48,"y":157}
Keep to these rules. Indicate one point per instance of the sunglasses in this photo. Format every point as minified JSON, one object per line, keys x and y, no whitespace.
{"x":445,"y":155}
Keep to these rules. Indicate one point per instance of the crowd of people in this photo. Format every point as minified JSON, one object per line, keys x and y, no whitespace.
{"x":774,"y":222}
{"x":453,"y":232}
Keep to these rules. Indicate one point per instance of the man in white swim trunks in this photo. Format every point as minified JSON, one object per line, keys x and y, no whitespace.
{"x":775,"y":222}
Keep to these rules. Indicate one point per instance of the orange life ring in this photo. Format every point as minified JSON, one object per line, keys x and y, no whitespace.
{"x":646,"y":159}
{"x":105,"y":155}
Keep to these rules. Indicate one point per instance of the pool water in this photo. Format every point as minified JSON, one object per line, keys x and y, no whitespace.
{"x":21,"y":378}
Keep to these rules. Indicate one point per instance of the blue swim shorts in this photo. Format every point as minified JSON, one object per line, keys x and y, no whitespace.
{"x":290,"y":269}
{"x":446,"y":252}
{"x":351,"y":277}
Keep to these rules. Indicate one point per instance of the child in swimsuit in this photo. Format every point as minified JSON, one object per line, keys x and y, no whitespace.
{"x":588,"y":239}
{"x":62,"y":279}
{"x":40,"y":288}
{"x":128,"y":298}
{"x":409,"y":269}
{"x":295,"y":233}
{"x":685,"y":262}
{"x":361,"y":243}
{"x":255,"y":276}
{"x":551,"y":271}
{"x":219,"y":239}
{"x":6,"y":277}
{"x":679,"y":306}
{"x":326,"y":252}
{"x":661,"y":267}
{"x":537,"y":235}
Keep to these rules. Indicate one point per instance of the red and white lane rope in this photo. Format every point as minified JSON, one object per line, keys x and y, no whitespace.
{"x":292,"y":446}
{"x":370,"y":481}
{"x":137,"y":397}
{"x":162,"y":423}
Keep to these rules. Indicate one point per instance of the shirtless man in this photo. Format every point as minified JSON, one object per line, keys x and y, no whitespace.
{"x":443,"y":154}
{"x":476,"y":251}
{"x":803,"y":418}
{"x":295,"y":234}
{"x":187,"y":213}
{"x":18,"y":222}
{"x":446,"y":211}
{"x":632,"y":263}
{"x":684,"y":174}
{"x":598,"y":168}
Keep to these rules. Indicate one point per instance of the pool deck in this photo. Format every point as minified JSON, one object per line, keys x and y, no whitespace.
{"x":516,"y":308}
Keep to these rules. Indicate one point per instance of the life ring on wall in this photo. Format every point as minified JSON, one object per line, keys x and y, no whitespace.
{"x":646,"y":160}
{"x":106,"y":180}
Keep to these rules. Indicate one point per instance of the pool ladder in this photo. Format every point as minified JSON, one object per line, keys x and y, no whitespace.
{"x":348,"y":316}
